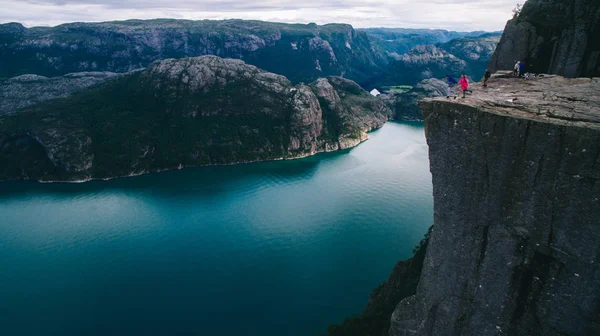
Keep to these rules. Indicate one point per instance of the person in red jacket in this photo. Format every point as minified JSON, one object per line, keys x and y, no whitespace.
{"x":464,"y":84}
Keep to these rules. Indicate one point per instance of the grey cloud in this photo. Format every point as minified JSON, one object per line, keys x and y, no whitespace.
{"x":209,"y":5}
{"x":446,"y":14}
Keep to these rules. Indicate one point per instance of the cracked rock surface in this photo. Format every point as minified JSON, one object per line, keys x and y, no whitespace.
{"x":516,"y":185}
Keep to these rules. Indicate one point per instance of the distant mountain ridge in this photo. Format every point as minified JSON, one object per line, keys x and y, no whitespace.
{"x":297,"y":51}
{"x":301,"y":52}
{"x":397,"y":41}
{"x":468,"y":55}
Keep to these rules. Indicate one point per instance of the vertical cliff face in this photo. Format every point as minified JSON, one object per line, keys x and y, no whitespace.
{"x":516,"y":242}
{"x":553,"y":36}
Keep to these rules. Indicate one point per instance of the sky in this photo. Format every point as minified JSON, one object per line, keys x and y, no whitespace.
{"x":461,"y":15}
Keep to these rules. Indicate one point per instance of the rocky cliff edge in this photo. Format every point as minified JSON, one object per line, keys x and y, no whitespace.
{"x":516,"y":240}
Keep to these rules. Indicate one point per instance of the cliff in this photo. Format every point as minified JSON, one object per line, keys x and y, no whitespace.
{"x":180,"y":113}
{"x":299,"y":52}
{"x":516,"y":240}
{"x":553,"y":36}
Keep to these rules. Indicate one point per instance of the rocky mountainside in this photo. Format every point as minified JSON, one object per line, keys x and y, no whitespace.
{"x":406,"y":105}
{"x":468,"y":55}
{"x":516,"y":240}
{"x":397,"y":41}
{"x":553,"y":36}
{"x":300,"y":52}
{"x":183,"y":112}
{"x":26,"y":90}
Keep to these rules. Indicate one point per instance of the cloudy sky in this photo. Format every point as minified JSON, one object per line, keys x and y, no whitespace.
{"x":464,"y":15}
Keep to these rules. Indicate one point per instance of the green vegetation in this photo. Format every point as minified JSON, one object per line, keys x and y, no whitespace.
{"x":397,"y":88}
{"x":397,"y":41}
{"x":469,"y":55}
{"x":179,"y":113}
{"x":375,"y":320}
{"x":121,"y":46}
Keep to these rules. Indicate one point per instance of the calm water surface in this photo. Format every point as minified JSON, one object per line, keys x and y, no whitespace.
{"x":277,"y":248}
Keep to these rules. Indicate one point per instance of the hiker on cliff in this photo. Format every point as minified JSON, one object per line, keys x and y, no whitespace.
{"x":451,"y":86}
{"x":464,"y":85}
{"x":517,"y":69}
{"x":521,"y":68}
{"x":486,"y":77}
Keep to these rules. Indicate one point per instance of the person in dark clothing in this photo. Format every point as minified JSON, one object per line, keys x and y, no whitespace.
{"x":451,"y":86}
{"x":521,"y":67}
{"x":486,"y":77}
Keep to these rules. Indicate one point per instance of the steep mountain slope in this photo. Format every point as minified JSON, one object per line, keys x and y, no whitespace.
{"x":468,"y":55}
{"x":397,"y":41}
{"x":26,"y":90}
{"x":185,"y":112}
{"x":476,"y":52}
{"x":406,"y":105}
{"x":300,"y":52}
{"x":557,"y":37}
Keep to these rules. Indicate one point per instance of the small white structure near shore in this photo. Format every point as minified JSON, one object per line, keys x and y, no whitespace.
{"x":375,"y":92}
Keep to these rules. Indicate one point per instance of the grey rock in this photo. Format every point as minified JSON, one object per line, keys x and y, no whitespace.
{"x":406,"y":105}
{"x":427,"y":56}
{"x":516,"y":242}
{"x":300,"y":52}
{"x":26,"y":90}
{"x":180,"y":113}
{"x":553,"y":36}
{"x":473,"y":49}
{"x":468,"y":55}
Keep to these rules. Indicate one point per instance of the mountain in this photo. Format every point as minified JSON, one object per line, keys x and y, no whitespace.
{"x":557,"y":37}
{"x":397,"y":41}
{"x":405,"y":105}
{"x":180,"y":113}
{"x":26,"y":90}
{"x":303,"y":53}
{"x":469,"y":55}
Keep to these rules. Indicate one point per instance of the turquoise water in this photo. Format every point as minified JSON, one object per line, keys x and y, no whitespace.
{"x":276,"y":248}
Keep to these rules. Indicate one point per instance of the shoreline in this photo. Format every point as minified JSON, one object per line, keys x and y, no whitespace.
{"x":181,"y":167}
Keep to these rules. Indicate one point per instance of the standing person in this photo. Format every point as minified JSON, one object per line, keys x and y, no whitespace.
{"x":451,"y":86}
{"x":521,"y":68}
{"x":517,"y":68}
{"x":464,"y":84}
{"x":486,"y":77}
